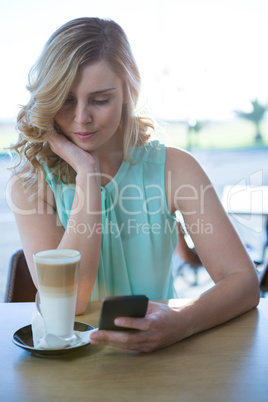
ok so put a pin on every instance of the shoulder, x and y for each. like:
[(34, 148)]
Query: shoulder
[(20, 196), (185, 179), (181, 162)]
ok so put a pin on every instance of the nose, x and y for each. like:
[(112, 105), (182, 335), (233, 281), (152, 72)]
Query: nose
[(82, 114)]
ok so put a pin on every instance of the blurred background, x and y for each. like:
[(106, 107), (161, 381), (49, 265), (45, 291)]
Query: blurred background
[(204, 69)]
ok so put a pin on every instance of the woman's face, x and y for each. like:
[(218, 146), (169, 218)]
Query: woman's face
[(91, 114)]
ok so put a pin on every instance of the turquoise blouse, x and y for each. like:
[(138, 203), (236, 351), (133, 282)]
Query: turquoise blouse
[(138, 233)]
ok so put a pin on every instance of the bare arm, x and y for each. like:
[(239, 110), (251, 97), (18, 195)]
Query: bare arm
[(39, 226), (217, 243)]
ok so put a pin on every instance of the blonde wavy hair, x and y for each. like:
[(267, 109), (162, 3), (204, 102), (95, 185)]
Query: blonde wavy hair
[(80, 41)]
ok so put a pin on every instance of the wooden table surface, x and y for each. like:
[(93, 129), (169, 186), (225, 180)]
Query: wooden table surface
[(227, 363)]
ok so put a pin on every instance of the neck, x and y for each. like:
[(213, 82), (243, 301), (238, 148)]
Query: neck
[(110, 159)]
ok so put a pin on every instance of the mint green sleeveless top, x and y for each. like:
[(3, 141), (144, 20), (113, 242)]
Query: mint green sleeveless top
[(138, 233)]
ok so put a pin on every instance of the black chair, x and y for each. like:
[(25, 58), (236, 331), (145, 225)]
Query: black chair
[(263, 273), (20, 286), (264, 280)]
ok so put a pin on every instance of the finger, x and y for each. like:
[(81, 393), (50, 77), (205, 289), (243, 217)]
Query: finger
[(56, 141), (122, 337), (125, 340), (142, 324)]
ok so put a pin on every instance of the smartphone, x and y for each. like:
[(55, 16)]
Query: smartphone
[(121, 306)]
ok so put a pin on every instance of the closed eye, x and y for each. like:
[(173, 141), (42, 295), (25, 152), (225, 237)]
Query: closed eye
[(100, 101), (69, 100)]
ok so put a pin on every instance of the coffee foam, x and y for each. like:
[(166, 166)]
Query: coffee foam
[(51, 257), (56, 276)]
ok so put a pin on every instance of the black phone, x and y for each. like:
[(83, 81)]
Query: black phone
[(121, 306)]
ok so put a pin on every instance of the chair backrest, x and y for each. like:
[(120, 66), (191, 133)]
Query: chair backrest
[(20, 287), (264, 280), (263, 275)]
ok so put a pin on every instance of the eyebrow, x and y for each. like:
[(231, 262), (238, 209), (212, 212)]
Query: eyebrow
[(101, 91)]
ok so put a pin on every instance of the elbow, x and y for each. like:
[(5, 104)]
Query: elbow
[(82, 299), (80, 310), (256, 298), (254, 292), (81, 307)]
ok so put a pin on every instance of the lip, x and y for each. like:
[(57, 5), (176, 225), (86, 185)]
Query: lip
[(84, 135)]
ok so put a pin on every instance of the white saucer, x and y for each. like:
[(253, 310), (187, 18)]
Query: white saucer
[(24, 339)]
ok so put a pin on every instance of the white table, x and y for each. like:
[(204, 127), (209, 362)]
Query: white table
[(245, 200)]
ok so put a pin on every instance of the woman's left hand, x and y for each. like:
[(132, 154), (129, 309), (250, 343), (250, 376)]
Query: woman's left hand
[(159, 328)]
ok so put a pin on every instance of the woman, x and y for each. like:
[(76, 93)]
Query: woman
[(90, 178)]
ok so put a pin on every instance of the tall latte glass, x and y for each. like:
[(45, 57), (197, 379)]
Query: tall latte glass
[(57, 276)]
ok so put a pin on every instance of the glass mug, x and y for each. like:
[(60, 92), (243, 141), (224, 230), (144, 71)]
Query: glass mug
[(57, 276)]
